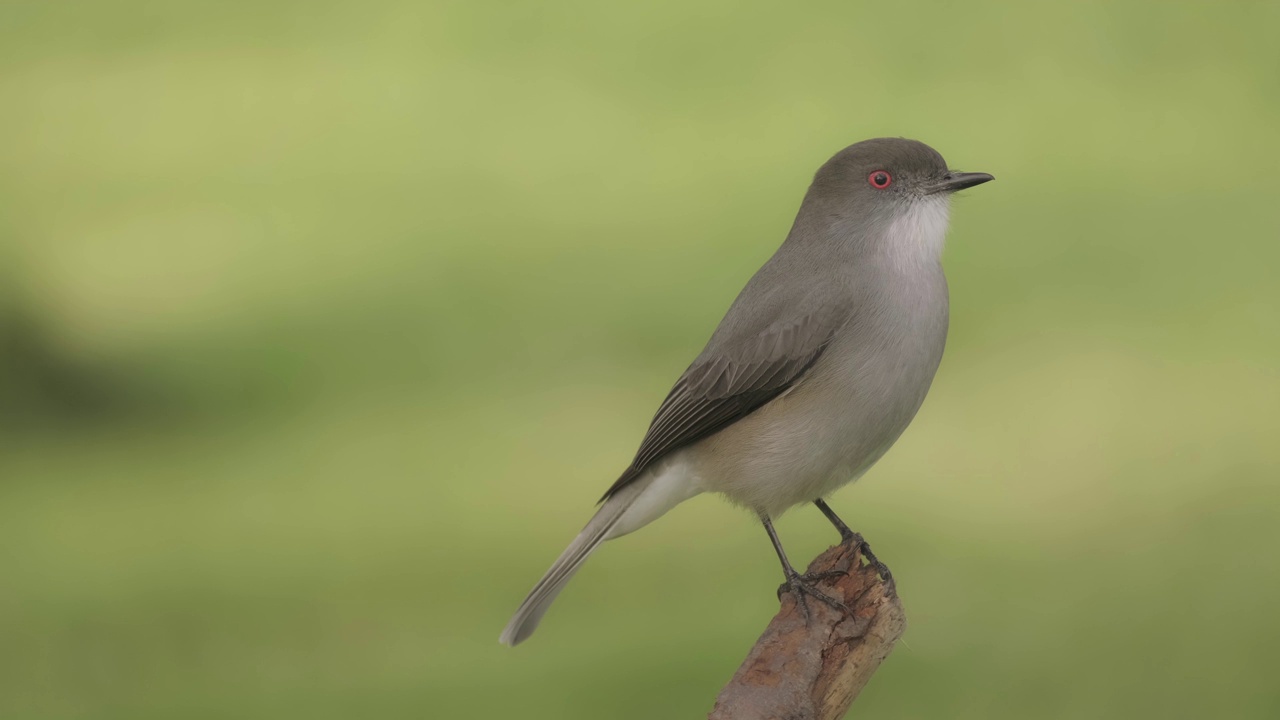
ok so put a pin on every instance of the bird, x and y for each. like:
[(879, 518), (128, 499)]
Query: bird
[(817, 368)]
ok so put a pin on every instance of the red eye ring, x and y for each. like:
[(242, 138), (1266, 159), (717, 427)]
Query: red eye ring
[(880, 179)]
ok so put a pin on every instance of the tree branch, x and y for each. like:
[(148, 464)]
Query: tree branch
[(813, 670)]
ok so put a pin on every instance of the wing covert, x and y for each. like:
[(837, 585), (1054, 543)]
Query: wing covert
[(729, 381)]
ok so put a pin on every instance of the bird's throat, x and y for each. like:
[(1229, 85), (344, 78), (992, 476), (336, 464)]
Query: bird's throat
[(918, 234)]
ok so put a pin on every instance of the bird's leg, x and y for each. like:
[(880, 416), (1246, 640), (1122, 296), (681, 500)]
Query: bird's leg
[(799, 585), (849, 535)]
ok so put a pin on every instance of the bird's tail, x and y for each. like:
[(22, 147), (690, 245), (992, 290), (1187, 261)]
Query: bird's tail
[(637, 504), (526, 619)]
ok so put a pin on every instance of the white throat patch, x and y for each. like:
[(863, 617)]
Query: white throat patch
[(917, 236)]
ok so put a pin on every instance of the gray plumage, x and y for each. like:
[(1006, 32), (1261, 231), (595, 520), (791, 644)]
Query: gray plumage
[(818, 366)]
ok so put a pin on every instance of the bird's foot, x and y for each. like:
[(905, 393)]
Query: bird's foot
[(881, 569), (801, 585)]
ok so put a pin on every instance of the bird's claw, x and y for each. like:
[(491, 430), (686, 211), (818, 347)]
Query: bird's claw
[(801, 585), (881, 569)]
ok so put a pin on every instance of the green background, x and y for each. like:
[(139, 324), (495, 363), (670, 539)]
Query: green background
[(323, 325)]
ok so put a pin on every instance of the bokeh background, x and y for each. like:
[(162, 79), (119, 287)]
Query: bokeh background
[(323, 325)]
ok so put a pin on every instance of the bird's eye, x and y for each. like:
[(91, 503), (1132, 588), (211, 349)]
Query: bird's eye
[(879, 179)]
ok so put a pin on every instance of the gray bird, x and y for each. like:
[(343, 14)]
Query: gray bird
[(817, 368)]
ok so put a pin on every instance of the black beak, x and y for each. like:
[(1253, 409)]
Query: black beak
[(954, 181)]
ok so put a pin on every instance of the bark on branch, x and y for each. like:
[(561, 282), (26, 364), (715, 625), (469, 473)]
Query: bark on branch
[(814, 670)]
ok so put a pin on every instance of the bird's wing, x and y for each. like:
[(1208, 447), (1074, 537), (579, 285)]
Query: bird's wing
[(737, 373)]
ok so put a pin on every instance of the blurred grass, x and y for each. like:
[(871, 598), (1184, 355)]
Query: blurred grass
[(323, 324)]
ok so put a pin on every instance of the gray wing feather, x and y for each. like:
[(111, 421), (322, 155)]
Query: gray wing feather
[(736, 374)]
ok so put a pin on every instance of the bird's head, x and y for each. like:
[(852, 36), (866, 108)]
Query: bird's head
[(891, 170), (887, 196)]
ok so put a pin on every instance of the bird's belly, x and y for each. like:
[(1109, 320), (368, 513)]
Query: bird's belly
[(827, 431)]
